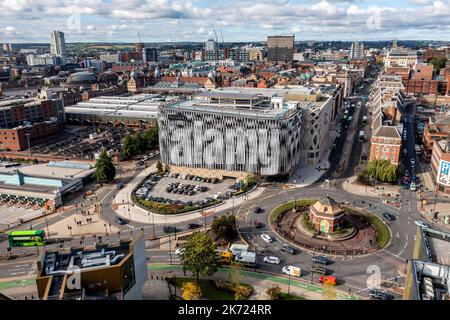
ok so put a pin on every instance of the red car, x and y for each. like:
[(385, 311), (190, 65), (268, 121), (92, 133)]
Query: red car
[(328, 280)]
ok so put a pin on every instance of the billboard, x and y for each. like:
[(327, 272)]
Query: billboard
[(444, 173)]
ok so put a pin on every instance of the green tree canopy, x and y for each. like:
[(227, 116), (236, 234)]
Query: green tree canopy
[(104, 168), (225, 227), (199, 255), (438, 63)]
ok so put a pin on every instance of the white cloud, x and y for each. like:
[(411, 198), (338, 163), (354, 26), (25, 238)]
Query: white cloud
[(238, 19)]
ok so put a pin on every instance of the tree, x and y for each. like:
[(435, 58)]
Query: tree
[(438, 63), (242, 292), (199, 255), (159, 166), (273, 293), (250, 180), (104, 168), (191, 291), (128, 149), (151, 137), (225, 227)]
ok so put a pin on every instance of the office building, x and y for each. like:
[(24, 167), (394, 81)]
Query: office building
[(428, 272), (104, 271), (149, 55), (401, 57), (211, 45), (357, 50), (33, 119), (440, 164), (58, 46), (111, 57), (44, 60), (280, 48)]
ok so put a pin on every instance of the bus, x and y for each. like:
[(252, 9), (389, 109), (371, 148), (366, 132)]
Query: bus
[(26, 238)]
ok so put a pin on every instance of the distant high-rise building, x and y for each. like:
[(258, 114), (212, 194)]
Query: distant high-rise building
[(7, 47), (138, 47), (149, 55), (280, 48), (58, 45), (211, 45), (357, 50)]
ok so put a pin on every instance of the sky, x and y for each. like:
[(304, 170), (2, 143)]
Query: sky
[(236, 20)]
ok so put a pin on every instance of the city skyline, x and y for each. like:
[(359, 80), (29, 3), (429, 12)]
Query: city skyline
[(172, 21)]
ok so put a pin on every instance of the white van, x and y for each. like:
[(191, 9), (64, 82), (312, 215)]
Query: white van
[(292, 270)]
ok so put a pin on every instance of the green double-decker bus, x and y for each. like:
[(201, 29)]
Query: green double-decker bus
[(26, 238)]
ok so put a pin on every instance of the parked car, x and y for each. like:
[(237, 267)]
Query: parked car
[(288, 249), (413, 161), (389, 216), (321, 260), (267, 238), (272, 260)]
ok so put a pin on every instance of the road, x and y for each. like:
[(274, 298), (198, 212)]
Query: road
[(353, 270)]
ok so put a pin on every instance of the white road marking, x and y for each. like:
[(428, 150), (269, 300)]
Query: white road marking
[(406, 236)]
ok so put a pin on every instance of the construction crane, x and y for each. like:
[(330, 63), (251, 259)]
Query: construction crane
[(215, 34)]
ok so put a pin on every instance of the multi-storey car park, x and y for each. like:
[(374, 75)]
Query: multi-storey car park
[(267, 132)]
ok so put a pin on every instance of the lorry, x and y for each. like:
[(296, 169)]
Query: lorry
[(227, 256), (292, 271), (236, 248), (246, 258)]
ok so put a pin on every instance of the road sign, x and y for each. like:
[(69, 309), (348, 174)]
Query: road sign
[(444, 172)]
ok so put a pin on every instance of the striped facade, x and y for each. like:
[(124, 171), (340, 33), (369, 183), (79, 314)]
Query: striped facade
[(261, 144)]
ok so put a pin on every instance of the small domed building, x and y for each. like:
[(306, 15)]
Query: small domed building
[(326, 215)]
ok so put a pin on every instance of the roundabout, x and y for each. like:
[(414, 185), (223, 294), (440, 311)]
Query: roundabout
[(326, 226)]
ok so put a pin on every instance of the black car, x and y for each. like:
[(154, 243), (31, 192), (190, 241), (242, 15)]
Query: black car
[(288, 249), (379, 295), (389, 216), (169, 229), (258, 210), (119, 220), (321, 260), (191, 226)]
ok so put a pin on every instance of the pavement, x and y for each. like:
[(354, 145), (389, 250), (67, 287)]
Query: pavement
[(261, 282), (307, 175), (350, 185)]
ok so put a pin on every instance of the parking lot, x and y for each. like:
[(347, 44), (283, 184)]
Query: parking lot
[(174, 189), (79, 142)]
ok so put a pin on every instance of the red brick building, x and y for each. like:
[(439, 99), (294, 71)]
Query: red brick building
[(385, 144), (36, 120)]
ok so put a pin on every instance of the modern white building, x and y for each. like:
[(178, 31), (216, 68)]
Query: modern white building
[(44, 59), (357, 50), (58, 46), (401, 57), (211, 45), (111, 57)]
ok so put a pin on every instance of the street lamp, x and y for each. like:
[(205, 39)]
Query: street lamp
[(46, 223), (29, 145)]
